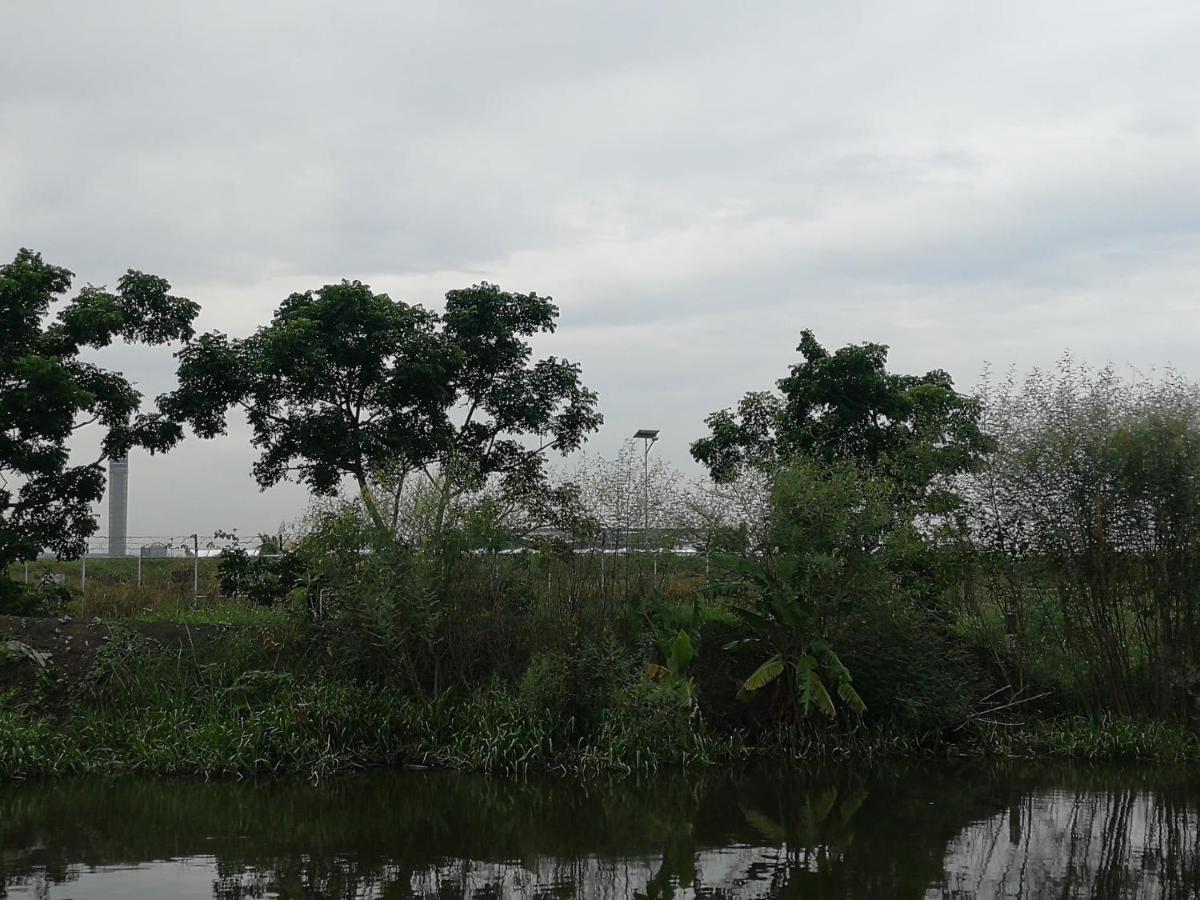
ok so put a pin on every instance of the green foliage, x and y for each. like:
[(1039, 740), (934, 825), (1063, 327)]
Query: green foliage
[(262, 702), (1069, 574), (574, 686), (339, 378), (764, 674), (823, 558), (846, 406), (29, 745), (1088, 519), (1104, 738), (47, 389), (216, 611), (122, 668), (346, 382), (651, 725), (808, 672), (676, 630), (262, 580), (680, 654), (912, 671), (18, 600), (381, 597)]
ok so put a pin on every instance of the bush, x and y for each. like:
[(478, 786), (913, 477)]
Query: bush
[(18, 600), (575, 688), (912, 673), (649, 725), (1088, 516), (262, 580)]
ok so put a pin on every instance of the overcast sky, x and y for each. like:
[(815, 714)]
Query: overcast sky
[(693, 182)]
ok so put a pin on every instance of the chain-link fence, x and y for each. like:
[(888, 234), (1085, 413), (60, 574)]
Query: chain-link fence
[(184, 565), (185, 570)]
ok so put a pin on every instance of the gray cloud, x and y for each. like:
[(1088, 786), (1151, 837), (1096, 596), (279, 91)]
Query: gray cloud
[(694, 183)]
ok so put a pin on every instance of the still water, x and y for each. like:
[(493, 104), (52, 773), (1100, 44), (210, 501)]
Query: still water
[(920, 831)]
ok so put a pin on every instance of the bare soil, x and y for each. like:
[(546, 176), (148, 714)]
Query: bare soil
[(70, 646)]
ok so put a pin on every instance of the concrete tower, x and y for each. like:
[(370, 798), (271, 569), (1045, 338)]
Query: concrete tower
[(118, 505)]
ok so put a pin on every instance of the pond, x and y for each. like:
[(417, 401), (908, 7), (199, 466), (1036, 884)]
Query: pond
[(922, 831)]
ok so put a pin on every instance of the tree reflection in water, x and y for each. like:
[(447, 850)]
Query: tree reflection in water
[(905, 832), (1124, 842)]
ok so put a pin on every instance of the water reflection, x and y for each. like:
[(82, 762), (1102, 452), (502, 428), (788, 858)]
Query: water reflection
[(908, 832), (1126, 841)]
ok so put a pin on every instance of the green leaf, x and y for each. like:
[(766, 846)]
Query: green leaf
[(762, 676), (740, 643), (750, 617), (816, 694), (682, 652), (785, 608), (831, 659), (850, 697)]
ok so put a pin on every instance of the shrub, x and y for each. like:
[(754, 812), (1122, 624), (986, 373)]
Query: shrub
[(576, 687), (649, 725), (1088, 517), (18, 600), (911, 672), (263, 580)]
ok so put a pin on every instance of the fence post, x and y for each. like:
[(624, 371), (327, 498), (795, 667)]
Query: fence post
[(83, 574), (139, 575), (27, 571), (195, 568)]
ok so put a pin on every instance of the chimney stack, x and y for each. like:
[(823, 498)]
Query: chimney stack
[(118, 505)]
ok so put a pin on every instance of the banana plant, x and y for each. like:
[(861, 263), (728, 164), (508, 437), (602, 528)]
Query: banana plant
[(679, 655), (823, 552), (784, 624), (806, 670)]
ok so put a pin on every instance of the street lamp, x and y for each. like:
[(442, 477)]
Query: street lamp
[(648, 436)]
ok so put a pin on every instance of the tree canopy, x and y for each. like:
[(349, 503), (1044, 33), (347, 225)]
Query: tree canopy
[(48, 391), (345, 382), (846, 406)]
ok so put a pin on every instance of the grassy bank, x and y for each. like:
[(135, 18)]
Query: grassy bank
[(260, 700), (281, 699)]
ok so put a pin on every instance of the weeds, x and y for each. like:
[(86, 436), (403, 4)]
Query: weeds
[(1107, 738), (263, 703)]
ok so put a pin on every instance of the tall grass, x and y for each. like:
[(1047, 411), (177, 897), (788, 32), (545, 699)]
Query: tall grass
[(268, 701), (1103, 738)]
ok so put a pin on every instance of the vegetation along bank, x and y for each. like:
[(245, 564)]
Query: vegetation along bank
[(875, 562)]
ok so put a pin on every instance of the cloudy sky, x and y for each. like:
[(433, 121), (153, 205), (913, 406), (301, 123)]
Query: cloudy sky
[(693, 182)]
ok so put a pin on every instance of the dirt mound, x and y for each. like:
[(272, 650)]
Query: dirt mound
[(66, 648)]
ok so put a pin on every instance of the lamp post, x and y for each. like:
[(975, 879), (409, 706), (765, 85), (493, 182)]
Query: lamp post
[(648, 436)]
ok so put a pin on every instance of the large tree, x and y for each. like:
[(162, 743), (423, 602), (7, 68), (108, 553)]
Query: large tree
[(48, 391), (344, 382), (847, 407)]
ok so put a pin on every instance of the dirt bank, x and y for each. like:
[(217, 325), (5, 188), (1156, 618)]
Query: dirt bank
[(65, 648)]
